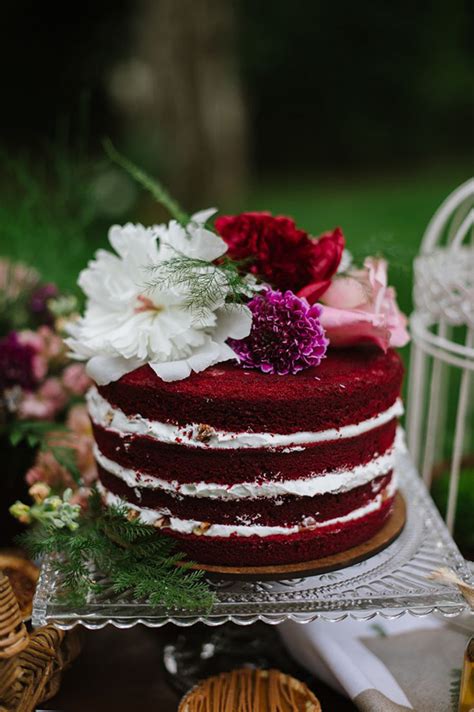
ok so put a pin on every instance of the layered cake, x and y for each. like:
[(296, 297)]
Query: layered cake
[(242, 466), (247, 391)]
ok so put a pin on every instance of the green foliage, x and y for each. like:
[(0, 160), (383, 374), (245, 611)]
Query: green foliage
[(132, 555), (42, 434), (33, 432), (206, 284), (157, 190), (48, 212), (50, 510)]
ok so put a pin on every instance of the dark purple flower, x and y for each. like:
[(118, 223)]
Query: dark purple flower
[(286, 334), (17, 363), (39, 303)]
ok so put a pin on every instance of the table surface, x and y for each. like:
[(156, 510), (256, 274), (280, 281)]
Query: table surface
[(121, 670)]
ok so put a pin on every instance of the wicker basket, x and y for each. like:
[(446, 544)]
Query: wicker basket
[(30, 664)]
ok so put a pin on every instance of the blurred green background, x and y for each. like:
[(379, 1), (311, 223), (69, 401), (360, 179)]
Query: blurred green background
[(351, 114)]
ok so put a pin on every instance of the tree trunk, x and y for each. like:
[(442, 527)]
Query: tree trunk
[(194, 102)]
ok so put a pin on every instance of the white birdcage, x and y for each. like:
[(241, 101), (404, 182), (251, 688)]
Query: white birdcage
[(442, 328)]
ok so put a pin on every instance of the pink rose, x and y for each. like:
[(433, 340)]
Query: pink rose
[(359, 307), (75, 379)]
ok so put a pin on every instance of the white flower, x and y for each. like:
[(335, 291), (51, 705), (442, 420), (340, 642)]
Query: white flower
[(128, 323)]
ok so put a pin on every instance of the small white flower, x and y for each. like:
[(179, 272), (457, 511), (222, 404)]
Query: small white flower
[(128, 324)]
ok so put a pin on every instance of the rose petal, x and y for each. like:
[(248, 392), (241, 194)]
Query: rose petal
[(312, 292), (346, 327), (345, 293)]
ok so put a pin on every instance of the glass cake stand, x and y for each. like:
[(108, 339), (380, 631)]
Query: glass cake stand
[(392, 583)]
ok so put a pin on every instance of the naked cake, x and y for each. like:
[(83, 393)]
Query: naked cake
[(257, 429), (252, 467)]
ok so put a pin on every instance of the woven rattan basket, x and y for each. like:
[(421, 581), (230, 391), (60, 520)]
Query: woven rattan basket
[(30, 664)]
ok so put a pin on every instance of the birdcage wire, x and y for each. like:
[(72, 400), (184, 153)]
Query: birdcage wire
[(442, 327)]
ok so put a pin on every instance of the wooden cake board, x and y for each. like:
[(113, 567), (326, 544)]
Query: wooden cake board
[(389, 532)]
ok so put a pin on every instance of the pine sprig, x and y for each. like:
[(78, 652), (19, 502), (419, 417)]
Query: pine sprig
[(132, 555), (206, 284), (157, 190)]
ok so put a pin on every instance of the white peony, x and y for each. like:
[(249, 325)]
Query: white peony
[(128, 323)]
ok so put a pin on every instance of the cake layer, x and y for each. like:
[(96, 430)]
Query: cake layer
[(264, 545), (204, 436), (275, 550), (349, 386), (267, 511), (332, 482), (176, 462), (165, 521)]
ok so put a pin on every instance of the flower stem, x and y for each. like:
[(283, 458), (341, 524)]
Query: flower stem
[(157, 190)]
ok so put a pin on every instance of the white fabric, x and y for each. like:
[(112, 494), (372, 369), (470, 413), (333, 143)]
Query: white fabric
[(334, 653)]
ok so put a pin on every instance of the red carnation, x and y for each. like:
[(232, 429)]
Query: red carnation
[(281, 254), (326, 256)]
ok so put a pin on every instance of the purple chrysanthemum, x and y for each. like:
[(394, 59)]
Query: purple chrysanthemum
[(17, 363), (286, 334)]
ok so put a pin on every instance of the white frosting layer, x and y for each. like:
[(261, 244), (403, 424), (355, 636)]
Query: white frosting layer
[(333, 482), (105, 415), (190, 526)]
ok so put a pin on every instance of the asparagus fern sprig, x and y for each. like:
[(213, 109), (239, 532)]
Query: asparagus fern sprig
[(206, 284), (133, 557)]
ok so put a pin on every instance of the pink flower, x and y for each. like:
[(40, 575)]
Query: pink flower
[(81, 497), (16, 279), (75, 379), (286, 335), (359, 307), (80, 425), (78, 421), (45, 403), (48, 470), (52, 346), (34, 341)]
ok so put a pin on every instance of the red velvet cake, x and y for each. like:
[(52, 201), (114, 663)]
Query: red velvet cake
[(251, 468), (220, 416)]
